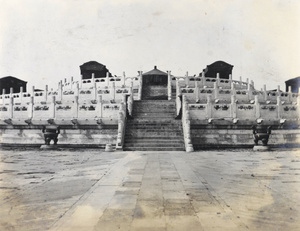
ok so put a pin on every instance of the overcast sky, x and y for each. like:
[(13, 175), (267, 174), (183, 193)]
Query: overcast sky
[(44, 41)]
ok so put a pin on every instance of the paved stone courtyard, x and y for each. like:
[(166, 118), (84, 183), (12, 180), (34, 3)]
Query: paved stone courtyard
[(96, 190)]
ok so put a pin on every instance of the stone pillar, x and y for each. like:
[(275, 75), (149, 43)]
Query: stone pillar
[(100, 108), (21, 94), (60, 89), (107, 79), (187, 79), (53, 103), (218, 79), (278, 88), (265, 93), (120, 135), (279, 107), (241, 82), (46, 93), (232, 85), (209, 107), (169, 85), (95, 90), (11, 107), (77, 90), (76, 107), (233, 106), (140, 85), (30, 107), (249, 90), (290, 94), (32, 91), (252, 84), (124, 79), (93, 77), (177, 88), (197, 91), (3, 96), (216, 90), (257, 107), (113, 88)]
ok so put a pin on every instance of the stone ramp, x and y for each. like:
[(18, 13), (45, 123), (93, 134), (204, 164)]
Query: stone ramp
[(153, 127)]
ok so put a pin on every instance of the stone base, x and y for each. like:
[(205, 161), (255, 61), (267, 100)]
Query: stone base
[(49, 147), (108, 148), (261, 148)]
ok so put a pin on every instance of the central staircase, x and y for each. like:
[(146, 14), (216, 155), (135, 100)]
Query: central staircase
[(153, 127)]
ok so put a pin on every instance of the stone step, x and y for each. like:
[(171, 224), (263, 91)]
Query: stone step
[(153, 115), (153, 110), (143, 145), (156, 141), (153, 121), (150, 138), (165, 128), (159, 133), (153, 149)]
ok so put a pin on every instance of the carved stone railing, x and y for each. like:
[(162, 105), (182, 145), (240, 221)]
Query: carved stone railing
[(121, 126), (186, 125)]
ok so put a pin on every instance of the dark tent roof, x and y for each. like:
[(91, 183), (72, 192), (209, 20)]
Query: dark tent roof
[(294, 80), (11, 79), (155, 71), (221, 67), (92, 66)]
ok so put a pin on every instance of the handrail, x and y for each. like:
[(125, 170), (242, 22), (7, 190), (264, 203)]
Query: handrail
[(186, 125)]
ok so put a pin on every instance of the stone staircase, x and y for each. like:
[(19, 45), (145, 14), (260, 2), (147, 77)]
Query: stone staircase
[(153, 127)]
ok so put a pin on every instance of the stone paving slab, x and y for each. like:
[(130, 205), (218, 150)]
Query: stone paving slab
[(91, 190)]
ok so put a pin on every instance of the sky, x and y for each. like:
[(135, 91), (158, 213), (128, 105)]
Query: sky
[(45, 41)]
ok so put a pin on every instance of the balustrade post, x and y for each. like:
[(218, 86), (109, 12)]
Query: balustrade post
[(11, 107), (77, 90), (3, 96), (279, 107), (265, 93), (121, 120), (124, 78), (290, 93), (209, 107), (249, 90), (11, 91), (187, 79), (257, 107), (252, 84), (21, 94), (60, 89), (95, 90), (169, 85), (197, 91), (93, 77), (30, 107), (100, 107), (76, 106), (216, 90), (46, 93), (218, 79), (233, 106), (53, 103), (113, 87), (107, 79)]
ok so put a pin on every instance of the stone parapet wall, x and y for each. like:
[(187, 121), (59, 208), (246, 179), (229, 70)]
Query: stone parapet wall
[(70, 136), (223, 134)]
